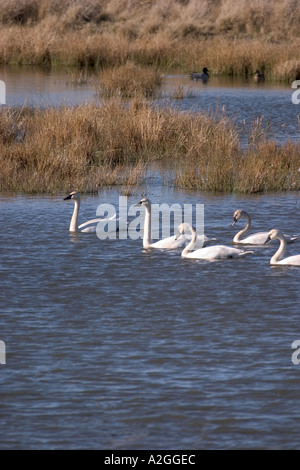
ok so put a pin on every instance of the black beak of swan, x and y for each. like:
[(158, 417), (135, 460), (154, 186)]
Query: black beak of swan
[(68, 197), (234, 221), (267, 240)]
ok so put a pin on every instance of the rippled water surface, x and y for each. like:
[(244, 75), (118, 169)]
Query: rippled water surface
[(112, 347)]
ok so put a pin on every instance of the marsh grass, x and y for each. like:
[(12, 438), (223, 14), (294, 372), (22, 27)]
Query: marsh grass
[(47, 150), (179, 93), (129, 81), (115, 143), (233, 37)]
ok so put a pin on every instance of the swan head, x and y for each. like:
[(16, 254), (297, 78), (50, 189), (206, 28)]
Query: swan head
[(73, 195), (237, 215), (205, 70), (183, 228), (274, 233), (144, 202)]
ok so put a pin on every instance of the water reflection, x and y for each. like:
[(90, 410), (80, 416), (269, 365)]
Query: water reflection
[(42, 87)]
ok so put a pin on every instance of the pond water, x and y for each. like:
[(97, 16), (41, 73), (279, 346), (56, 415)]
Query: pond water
[(243, 100), (109, 346), (112, 347)]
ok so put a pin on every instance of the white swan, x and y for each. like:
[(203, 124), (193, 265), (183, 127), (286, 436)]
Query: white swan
[(166, 243), (276, 258), (258, 238), (75, 196), (169, 242), (210, 253)]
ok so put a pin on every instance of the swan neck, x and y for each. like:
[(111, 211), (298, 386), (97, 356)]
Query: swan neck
[(280, 252), (147, 228), (191, 245), (242, 232), (74, 220)]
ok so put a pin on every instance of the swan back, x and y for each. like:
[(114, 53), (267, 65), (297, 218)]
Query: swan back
[(209, 253)]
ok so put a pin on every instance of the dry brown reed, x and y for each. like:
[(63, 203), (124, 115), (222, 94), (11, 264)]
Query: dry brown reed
[(269, 167), (91, 146), (47, 150), (229, 36), (129, 81)]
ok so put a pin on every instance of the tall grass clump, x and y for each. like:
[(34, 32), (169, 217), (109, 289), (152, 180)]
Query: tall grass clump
[(115, 143), (269, 167), (128, 81), (209, 160), (85, 147), (229, 166)]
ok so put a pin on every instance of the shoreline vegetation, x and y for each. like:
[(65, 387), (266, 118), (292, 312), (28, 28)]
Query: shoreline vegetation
[(231, 37), (116, 143), (132, 43)]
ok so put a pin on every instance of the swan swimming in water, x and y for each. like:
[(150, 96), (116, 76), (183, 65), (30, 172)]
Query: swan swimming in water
[(209, 253), (204, 76), (277, 257), (258, 238), (166, 243), (74, 220)]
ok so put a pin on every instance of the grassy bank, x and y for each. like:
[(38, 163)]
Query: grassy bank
[(88, 147), (232, 37)]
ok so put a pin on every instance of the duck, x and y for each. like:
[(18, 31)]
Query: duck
[(259, 76), (204, 76), (172, 242), (209, 253), (258, 238), (277, 257), (89, 226)]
